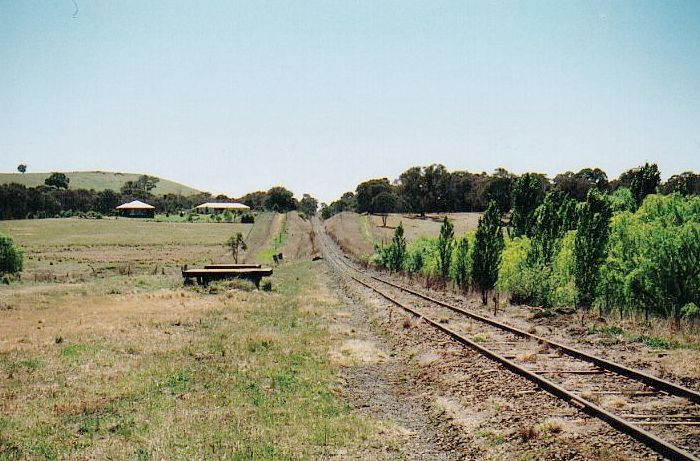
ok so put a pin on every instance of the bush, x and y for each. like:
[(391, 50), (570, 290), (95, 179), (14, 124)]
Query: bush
[(563, 288), (418, 255), (11, 258), (513, 259), (248, 219), (653, 260)]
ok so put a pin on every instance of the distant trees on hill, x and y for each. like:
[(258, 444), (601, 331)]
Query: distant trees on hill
[(57, 180), (57, 199), (434, 189)]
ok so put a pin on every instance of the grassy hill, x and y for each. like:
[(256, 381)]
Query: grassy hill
[(98, 180)]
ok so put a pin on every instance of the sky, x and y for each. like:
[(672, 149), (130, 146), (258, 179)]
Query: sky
[(232, 97)]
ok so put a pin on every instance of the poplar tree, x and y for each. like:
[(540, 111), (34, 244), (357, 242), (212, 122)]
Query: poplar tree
[(590, 245), (461, 265), (488, 247), (553, 218), (397, 252), (528, 193), (645, 180), (444, 246)]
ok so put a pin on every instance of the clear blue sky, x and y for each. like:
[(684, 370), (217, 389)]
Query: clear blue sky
[(237, 96)]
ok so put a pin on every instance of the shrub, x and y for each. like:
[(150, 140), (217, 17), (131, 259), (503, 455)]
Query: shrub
[(248, 219), (236, 244), (392, 256), (420, 255), (653, 260), (512, 262), (11, 258), (563, 288)]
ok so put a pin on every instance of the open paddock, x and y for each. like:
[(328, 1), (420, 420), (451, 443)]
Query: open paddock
[(136, 366)]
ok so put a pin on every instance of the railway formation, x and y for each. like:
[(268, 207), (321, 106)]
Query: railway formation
[(662, 415)]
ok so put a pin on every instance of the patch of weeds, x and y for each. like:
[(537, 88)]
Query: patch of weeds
[(259, 345), (543, 314), (126, 428), (256, 395), (483, 433), (217, 344), (528, 433), (493, 438), (178, 383), (90, 425), (284, 381), (262, 452), (551, 426), (143, 454), (75, 351), (658, 343), (607, 331), (479, 339), (132, 350), (221, 286), (30, 364)]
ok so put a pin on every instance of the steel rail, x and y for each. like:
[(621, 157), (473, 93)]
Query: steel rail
[(653, 381), (637, 375), (657, 444)]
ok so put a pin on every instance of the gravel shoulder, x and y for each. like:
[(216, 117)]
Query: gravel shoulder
[(377, 381), (453, 403)]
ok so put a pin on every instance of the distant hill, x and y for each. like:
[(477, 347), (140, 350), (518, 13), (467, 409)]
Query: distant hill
[(98, 180)]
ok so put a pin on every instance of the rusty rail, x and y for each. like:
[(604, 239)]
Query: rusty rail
[(652, 441)]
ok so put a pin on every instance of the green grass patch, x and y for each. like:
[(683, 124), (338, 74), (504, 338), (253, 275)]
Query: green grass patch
[(659, 343), (607, 331), (250, 378), (276, 244), (78, 350)]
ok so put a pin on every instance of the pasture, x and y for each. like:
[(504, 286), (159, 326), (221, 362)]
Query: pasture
[(358, 233), (98, 180), (105, 355)]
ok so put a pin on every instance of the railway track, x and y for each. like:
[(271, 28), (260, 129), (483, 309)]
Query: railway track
[(660, 414)]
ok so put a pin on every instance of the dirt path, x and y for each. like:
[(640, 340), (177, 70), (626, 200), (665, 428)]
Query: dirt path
[(345, 231), (299, 244), (271, 226), (376, 381)]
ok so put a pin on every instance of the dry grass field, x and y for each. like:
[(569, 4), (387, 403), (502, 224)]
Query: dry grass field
[(352, 233), (300, 242), (106, 364), (357, 234), (415, 227)]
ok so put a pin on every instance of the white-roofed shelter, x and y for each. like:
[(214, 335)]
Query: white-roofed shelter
[(220, 207), (137, 209)]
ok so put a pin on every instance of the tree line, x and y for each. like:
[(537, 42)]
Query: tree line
[(629, 248), (55, 198), (434, 189)]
